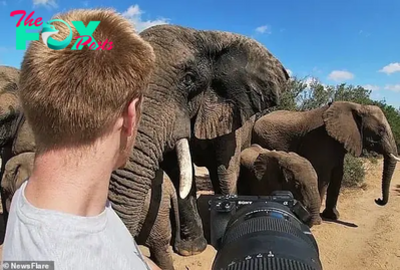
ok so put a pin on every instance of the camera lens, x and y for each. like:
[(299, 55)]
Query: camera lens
[(268, 236)]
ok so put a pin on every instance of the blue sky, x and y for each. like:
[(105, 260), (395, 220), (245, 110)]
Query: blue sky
[(355, 41)]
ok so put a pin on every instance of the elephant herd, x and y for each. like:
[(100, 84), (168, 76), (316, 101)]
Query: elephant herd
[(206, 106)]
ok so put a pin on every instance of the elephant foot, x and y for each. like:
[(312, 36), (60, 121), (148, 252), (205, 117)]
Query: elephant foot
[(191, 247), (332, 214), (316, 221)]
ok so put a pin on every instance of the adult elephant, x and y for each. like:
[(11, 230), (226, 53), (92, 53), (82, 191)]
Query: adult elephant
[(324, 135), (206, 84), (15, 134)]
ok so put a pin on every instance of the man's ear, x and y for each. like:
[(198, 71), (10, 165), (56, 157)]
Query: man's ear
[(131, 116)]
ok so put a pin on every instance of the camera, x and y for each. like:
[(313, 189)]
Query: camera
[(262, 232)]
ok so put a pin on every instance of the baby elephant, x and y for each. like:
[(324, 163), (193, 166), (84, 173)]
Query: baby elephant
[(19, 168), (16, 171), (263, 171)]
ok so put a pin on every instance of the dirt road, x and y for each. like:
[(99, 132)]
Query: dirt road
[(368, 236)]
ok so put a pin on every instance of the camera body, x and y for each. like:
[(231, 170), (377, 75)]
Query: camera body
[(223, 208)]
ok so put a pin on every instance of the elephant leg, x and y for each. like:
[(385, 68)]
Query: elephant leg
[(161, 256), (6, 154), (227, 150), (323, 187), (192, 240), (160, 239), (4, 219), (333, 193), (213, 173)]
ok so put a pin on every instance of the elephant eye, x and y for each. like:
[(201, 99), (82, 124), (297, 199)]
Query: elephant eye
[(188, 80), (381, 130)]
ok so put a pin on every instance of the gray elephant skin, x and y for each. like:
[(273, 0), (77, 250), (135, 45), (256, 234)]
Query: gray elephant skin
[(15, 134), (16, 171), (8, 75), (206, 85), (324, 135), (19, 168), (263, 171), (221, 157)]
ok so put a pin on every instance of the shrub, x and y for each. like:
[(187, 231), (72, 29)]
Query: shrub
[(371, 156), (354, 172)]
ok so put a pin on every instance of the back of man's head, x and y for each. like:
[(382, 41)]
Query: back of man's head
[(73, 97)]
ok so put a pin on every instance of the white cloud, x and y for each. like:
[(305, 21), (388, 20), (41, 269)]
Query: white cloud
[(134, 15), (46, 3), (264, 29), (391, 68), (340, 75), (393, 87), (371, 87)]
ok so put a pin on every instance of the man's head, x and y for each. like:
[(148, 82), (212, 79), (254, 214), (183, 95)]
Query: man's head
[(78, 98)]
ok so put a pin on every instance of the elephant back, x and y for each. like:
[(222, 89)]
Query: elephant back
[(282, 129)]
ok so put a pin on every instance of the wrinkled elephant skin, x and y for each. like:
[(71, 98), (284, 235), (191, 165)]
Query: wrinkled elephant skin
[(17, 170), (263, 171), (206, 85), (221, 156), (11, 121), (160, 235), (324, 135)]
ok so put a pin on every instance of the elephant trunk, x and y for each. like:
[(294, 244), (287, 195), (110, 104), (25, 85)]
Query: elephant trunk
[(129, 186), (185, 167), (315, 207), (389, 165)]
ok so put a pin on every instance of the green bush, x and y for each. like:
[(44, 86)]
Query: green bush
[(354, 172), (371, 156)]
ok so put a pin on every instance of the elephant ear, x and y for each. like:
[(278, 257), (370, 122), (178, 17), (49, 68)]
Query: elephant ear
[(261, 165), (343, 122), (246, 79), (265, 163)]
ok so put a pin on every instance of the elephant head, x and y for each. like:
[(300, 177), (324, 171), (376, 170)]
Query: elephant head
[(15, 133), (216, 81), (264, 171), (10, 110), (17, 170), (8, 75), (361, 127), (206, 84)]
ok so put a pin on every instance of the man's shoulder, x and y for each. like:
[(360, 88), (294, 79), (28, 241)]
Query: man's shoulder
[(78, 242)]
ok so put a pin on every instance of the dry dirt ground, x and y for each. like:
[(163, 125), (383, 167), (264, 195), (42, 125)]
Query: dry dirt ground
[(366, 237)]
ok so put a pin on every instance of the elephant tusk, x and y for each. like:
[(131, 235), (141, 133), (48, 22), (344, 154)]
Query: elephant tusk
[(396, 158), (185, 167)]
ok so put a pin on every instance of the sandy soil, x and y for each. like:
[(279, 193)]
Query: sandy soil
[(366, 237)]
